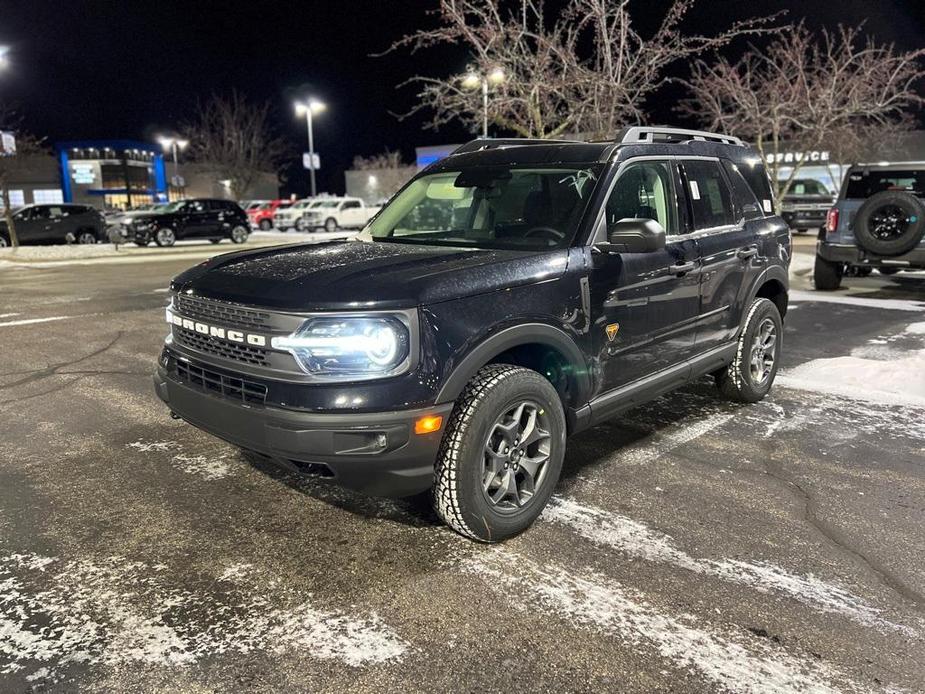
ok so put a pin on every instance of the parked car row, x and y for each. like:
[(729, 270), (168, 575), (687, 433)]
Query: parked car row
[(329, 213), (58, 223)]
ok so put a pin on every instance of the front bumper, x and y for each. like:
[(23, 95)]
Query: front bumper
[(852, 255), (374, 453)]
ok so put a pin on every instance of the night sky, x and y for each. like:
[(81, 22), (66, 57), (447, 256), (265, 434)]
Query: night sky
[(131, 69)]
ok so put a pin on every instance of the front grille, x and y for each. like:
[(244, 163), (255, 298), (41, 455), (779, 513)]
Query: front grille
[(246, 354), (220, 312), (230, 387)]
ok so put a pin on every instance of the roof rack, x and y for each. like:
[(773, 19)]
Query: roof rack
[(665, 134), (500, 143)]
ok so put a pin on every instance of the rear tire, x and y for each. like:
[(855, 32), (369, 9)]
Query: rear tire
[(827, 275), (750, 376), (86, 237), (330, 224), (239, 234), (4, 241), (517, 415), (887, 270)]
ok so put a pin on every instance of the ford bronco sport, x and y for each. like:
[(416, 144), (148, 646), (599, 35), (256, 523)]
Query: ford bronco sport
[(511, 294), (877, 222)]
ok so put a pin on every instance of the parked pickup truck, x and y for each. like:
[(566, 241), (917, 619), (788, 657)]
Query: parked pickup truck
[(334, 213)]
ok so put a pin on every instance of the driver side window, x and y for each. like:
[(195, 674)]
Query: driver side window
[(643, 191)]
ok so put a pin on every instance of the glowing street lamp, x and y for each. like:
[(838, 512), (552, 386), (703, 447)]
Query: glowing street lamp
[(4, 60), (474, 80), (308, 109), (174, 144)]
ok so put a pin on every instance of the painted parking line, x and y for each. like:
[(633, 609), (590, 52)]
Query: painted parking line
[(636, 540), (864, 302), (30, 321), (726, 657)]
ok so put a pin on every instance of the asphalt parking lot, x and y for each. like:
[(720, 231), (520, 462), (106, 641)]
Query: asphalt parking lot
[(693, 545)]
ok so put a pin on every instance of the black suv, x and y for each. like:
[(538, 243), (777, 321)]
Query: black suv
[(58, 223), (877, 222), (509, 295), (197, 218), (806, 204)]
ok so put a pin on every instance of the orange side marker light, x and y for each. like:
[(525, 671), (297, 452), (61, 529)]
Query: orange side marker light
[(428, 424)]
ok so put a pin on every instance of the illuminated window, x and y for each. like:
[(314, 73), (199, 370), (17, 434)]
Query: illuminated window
[(17, 199), (47, 196)]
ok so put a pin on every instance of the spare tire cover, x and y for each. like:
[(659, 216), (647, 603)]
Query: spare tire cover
[(890, 223)]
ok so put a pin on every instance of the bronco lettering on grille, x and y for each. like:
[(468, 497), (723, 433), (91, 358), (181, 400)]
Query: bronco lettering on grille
[(214, 331)]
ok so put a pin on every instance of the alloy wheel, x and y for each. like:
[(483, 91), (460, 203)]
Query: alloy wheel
[(763, 352), (239, 234), (889, 222), (3, 242), (86, 237), (165, 237), (516, 456)]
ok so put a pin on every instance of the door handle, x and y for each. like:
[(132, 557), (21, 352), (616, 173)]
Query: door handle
[(682, 268), (746, 253)]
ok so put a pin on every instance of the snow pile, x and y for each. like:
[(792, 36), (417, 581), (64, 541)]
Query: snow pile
[(899, 381)]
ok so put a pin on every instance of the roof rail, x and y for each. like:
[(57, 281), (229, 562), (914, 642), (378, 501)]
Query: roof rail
[(499, 143), (665, 134)]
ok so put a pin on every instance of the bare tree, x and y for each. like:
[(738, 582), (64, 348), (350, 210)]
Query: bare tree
[(549, 87), (804, 88), (234, 139), (11, 164), (377, 162)]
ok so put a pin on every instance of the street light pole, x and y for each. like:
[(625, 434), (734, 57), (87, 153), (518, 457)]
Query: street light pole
[(174, 145), (311, 150), (473, 80), (309, 108)]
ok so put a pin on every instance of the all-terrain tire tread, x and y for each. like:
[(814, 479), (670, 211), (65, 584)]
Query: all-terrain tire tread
[(446, 474)]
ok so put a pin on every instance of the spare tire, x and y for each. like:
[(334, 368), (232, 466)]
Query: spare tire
[(890, 223)]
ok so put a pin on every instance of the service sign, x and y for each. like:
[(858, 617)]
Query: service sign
[(814, 156)]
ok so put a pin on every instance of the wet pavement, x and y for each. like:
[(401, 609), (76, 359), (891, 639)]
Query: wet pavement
[(692, 545)]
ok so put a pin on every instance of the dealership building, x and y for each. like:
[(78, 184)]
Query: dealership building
[(117, 174)]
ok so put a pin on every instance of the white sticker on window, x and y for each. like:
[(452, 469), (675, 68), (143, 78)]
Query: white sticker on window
[(766, 204), (695, 191)]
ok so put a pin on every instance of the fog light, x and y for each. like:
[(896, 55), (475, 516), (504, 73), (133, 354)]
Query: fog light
[(428, 424)]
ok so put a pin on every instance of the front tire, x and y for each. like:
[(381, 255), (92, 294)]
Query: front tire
[(750, 376), (330, 224), (265, 225), (501, 454), (827, 275), (165, 237)]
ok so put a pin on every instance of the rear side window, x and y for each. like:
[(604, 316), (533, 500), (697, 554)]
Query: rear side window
[(746, 203), (757, 178), (350, 204), (863, 184), (708, 194)]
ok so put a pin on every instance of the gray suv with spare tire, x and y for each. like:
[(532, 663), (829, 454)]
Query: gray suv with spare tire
[(877, 222)]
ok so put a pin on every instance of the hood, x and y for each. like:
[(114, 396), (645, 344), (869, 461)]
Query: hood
[(355, 274)]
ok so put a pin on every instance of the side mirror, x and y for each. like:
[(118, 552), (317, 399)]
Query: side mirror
[(634, 236)]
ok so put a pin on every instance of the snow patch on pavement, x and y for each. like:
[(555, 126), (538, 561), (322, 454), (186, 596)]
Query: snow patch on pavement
[(641, 542), (726, 658), (113, 612), (665, 442), (851, 300), (208, 468)]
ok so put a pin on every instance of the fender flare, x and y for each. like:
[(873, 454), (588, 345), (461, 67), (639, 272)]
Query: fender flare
[(515, 336)]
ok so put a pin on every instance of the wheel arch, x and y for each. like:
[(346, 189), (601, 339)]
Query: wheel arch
[(773, 284), (539, 346)]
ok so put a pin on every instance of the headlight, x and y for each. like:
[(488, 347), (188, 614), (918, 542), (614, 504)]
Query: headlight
[(350, 346)]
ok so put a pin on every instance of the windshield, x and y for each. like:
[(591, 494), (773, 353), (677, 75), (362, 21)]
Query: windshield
[(265, 206), (303, 204), (175, 206), (490, 207), (808, 186)]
